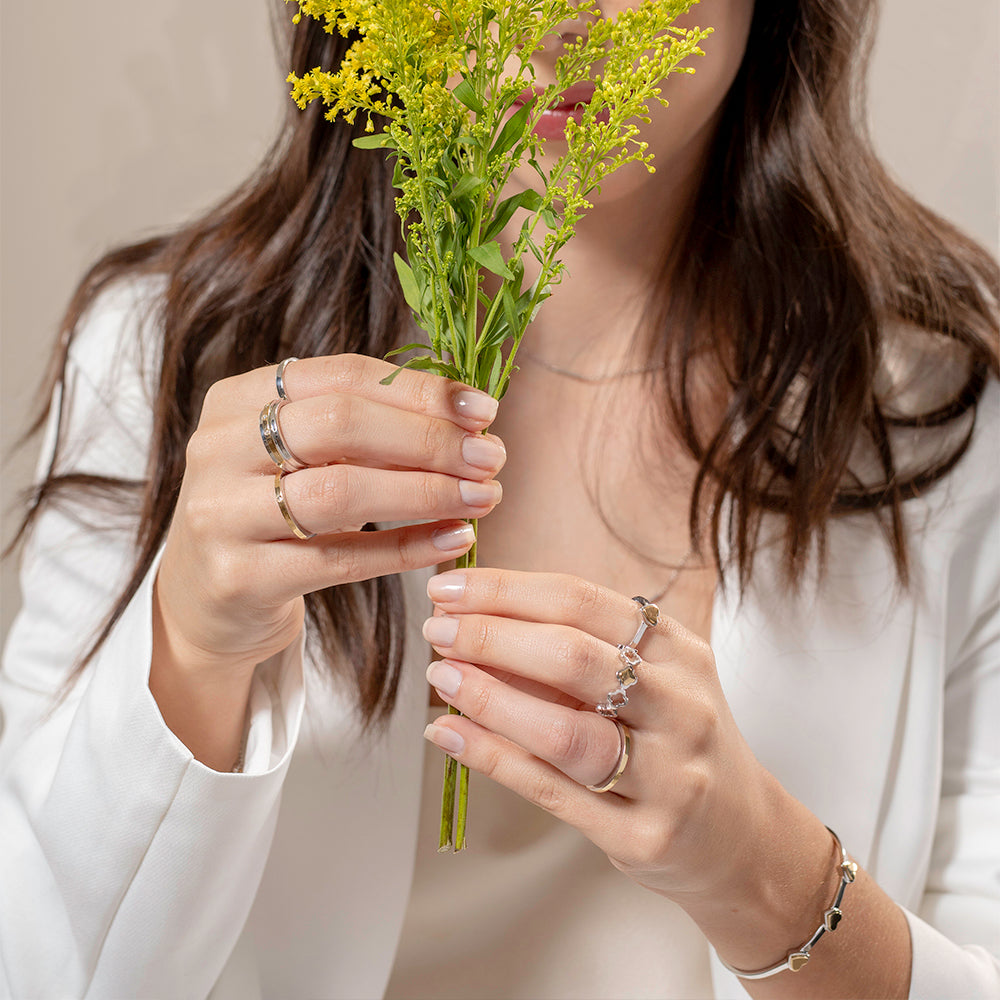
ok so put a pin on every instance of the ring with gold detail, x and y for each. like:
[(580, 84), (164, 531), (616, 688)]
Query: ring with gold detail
[(625, 748)]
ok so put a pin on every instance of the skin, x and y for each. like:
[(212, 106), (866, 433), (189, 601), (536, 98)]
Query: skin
[(529, 644)]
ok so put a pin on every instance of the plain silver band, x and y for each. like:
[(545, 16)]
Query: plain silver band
[(279, 377), (624, 750), (279, 494)]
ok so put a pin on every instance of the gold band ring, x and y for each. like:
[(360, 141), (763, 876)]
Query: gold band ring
[(279, 494), (270, 434), (625, 748)]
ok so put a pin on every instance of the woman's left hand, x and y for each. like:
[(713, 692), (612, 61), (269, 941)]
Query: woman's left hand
[(530, 655)]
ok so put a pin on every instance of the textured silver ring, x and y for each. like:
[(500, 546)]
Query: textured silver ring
[(274, 443), (279, 377)]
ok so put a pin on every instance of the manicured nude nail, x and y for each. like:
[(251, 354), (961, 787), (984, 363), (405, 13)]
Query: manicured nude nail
[(479, 494), (447, 739), (483, 452), (456, 539), (443, 676), (441, 631), (476, 406), (446, 587)]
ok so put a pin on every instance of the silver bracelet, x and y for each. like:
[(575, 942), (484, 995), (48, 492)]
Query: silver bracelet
[(797, 960)]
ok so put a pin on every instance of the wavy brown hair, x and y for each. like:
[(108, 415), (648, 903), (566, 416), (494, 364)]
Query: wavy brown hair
[(799, 253)]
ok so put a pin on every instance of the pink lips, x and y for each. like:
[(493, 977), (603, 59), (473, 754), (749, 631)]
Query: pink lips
[(552, 124)]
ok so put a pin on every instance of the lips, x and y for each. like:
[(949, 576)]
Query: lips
[(572, 101)]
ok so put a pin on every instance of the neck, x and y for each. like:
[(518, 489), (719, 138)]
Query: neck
[(594, 321)]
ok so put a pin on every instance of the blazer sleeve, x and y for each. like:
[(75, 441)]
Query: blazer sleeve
[(961, 902), (128, 868)]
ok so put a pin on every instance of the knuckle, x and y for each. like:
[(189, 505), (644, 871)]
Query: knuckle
[(547, 792), (346, 372), (434, 439), (588, 598), (477, 701), (425, 393), (333, 491), (427, 493), (568, 741), (480, 637), (564, 656), (338, 416), (350, 562)]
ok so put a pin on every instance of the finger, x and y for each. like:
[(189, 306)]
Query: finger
[(557, 656), (355, 374), (584, 746), (342, 497), (562, 600), (292, 567), (512, 766), (338, 427)]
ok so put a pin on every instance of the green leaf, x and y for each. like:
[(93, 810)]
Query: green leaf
[(403, 350), (411, 290), (379, 141), (489, 256), (511, 133), (495, 373), (467, 185), (527, 199), (466, 93)]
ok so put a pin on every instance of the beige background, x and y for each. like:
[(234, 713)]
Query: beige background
[(119, 118)]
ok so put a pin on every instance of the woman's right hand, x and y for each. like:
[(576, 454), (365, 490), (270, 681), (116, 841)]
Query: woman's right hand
[(229, 590)]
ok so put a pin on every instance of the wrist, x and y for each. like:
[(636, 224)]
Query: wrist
[(783, 882), (202, 697)]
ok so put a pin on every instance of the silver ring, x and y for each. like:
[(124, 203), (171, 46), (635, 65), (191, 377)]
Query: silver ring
[(279, 377), (270, 433), (279, 494), (649, 616), (628, 653), (624, 749)]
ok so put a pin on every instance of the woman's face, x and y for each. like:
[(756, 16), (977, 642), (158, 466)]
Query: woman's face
[(679, 135)]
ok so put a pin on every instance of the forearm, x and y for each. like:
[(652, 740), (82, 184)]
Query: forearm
[(204, 704)]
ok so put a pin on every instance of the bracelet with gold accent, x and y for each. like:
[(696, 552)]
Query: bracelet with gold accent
[(797, 960)]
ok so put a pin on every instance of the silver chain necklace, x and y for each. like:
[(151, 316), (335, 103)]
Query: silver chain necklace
[(672, 579), (589, 379)]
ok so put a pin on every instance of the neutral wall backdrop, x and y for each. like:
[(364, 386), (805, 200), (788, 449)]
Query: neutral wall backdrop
[(118, 119)]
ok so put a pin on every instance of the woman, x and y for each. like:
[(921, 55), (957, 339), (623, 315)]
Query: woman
[(780, 375)]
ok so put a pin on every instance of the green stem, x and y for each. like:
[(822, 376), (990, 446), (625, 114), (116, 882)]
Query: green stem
[(452, 769)]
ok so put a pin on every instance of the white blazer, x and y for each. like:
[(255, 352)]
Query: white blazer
[(127, 869)]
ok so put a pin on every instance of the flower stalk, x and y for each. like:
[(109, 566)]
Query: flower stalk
[(447, 89)]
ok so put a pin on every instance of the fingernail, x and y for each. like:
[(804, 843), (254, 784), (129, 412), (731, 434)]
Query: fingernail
[(483, 452), (479, 494), (443, 676), (476, 406), (456, 539), (447, 739), (441, 631), (446, 587)]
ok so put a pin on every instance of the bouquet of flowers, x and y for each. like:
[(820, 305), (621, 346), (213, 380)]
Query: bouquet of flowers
[(448, 89)]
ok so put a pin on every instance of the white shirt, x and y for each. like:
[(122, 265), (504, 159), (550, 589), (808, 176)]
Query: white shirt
[(128, 869)]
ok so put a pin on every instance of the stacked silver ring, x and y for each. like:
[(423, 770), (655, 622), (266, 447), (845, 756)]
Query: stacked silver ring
[(270, 432), (628, 655), (279, 452)]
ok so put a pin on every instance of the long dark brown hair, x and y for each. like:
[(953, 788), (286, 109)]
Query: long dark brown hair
[(798, 255)]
